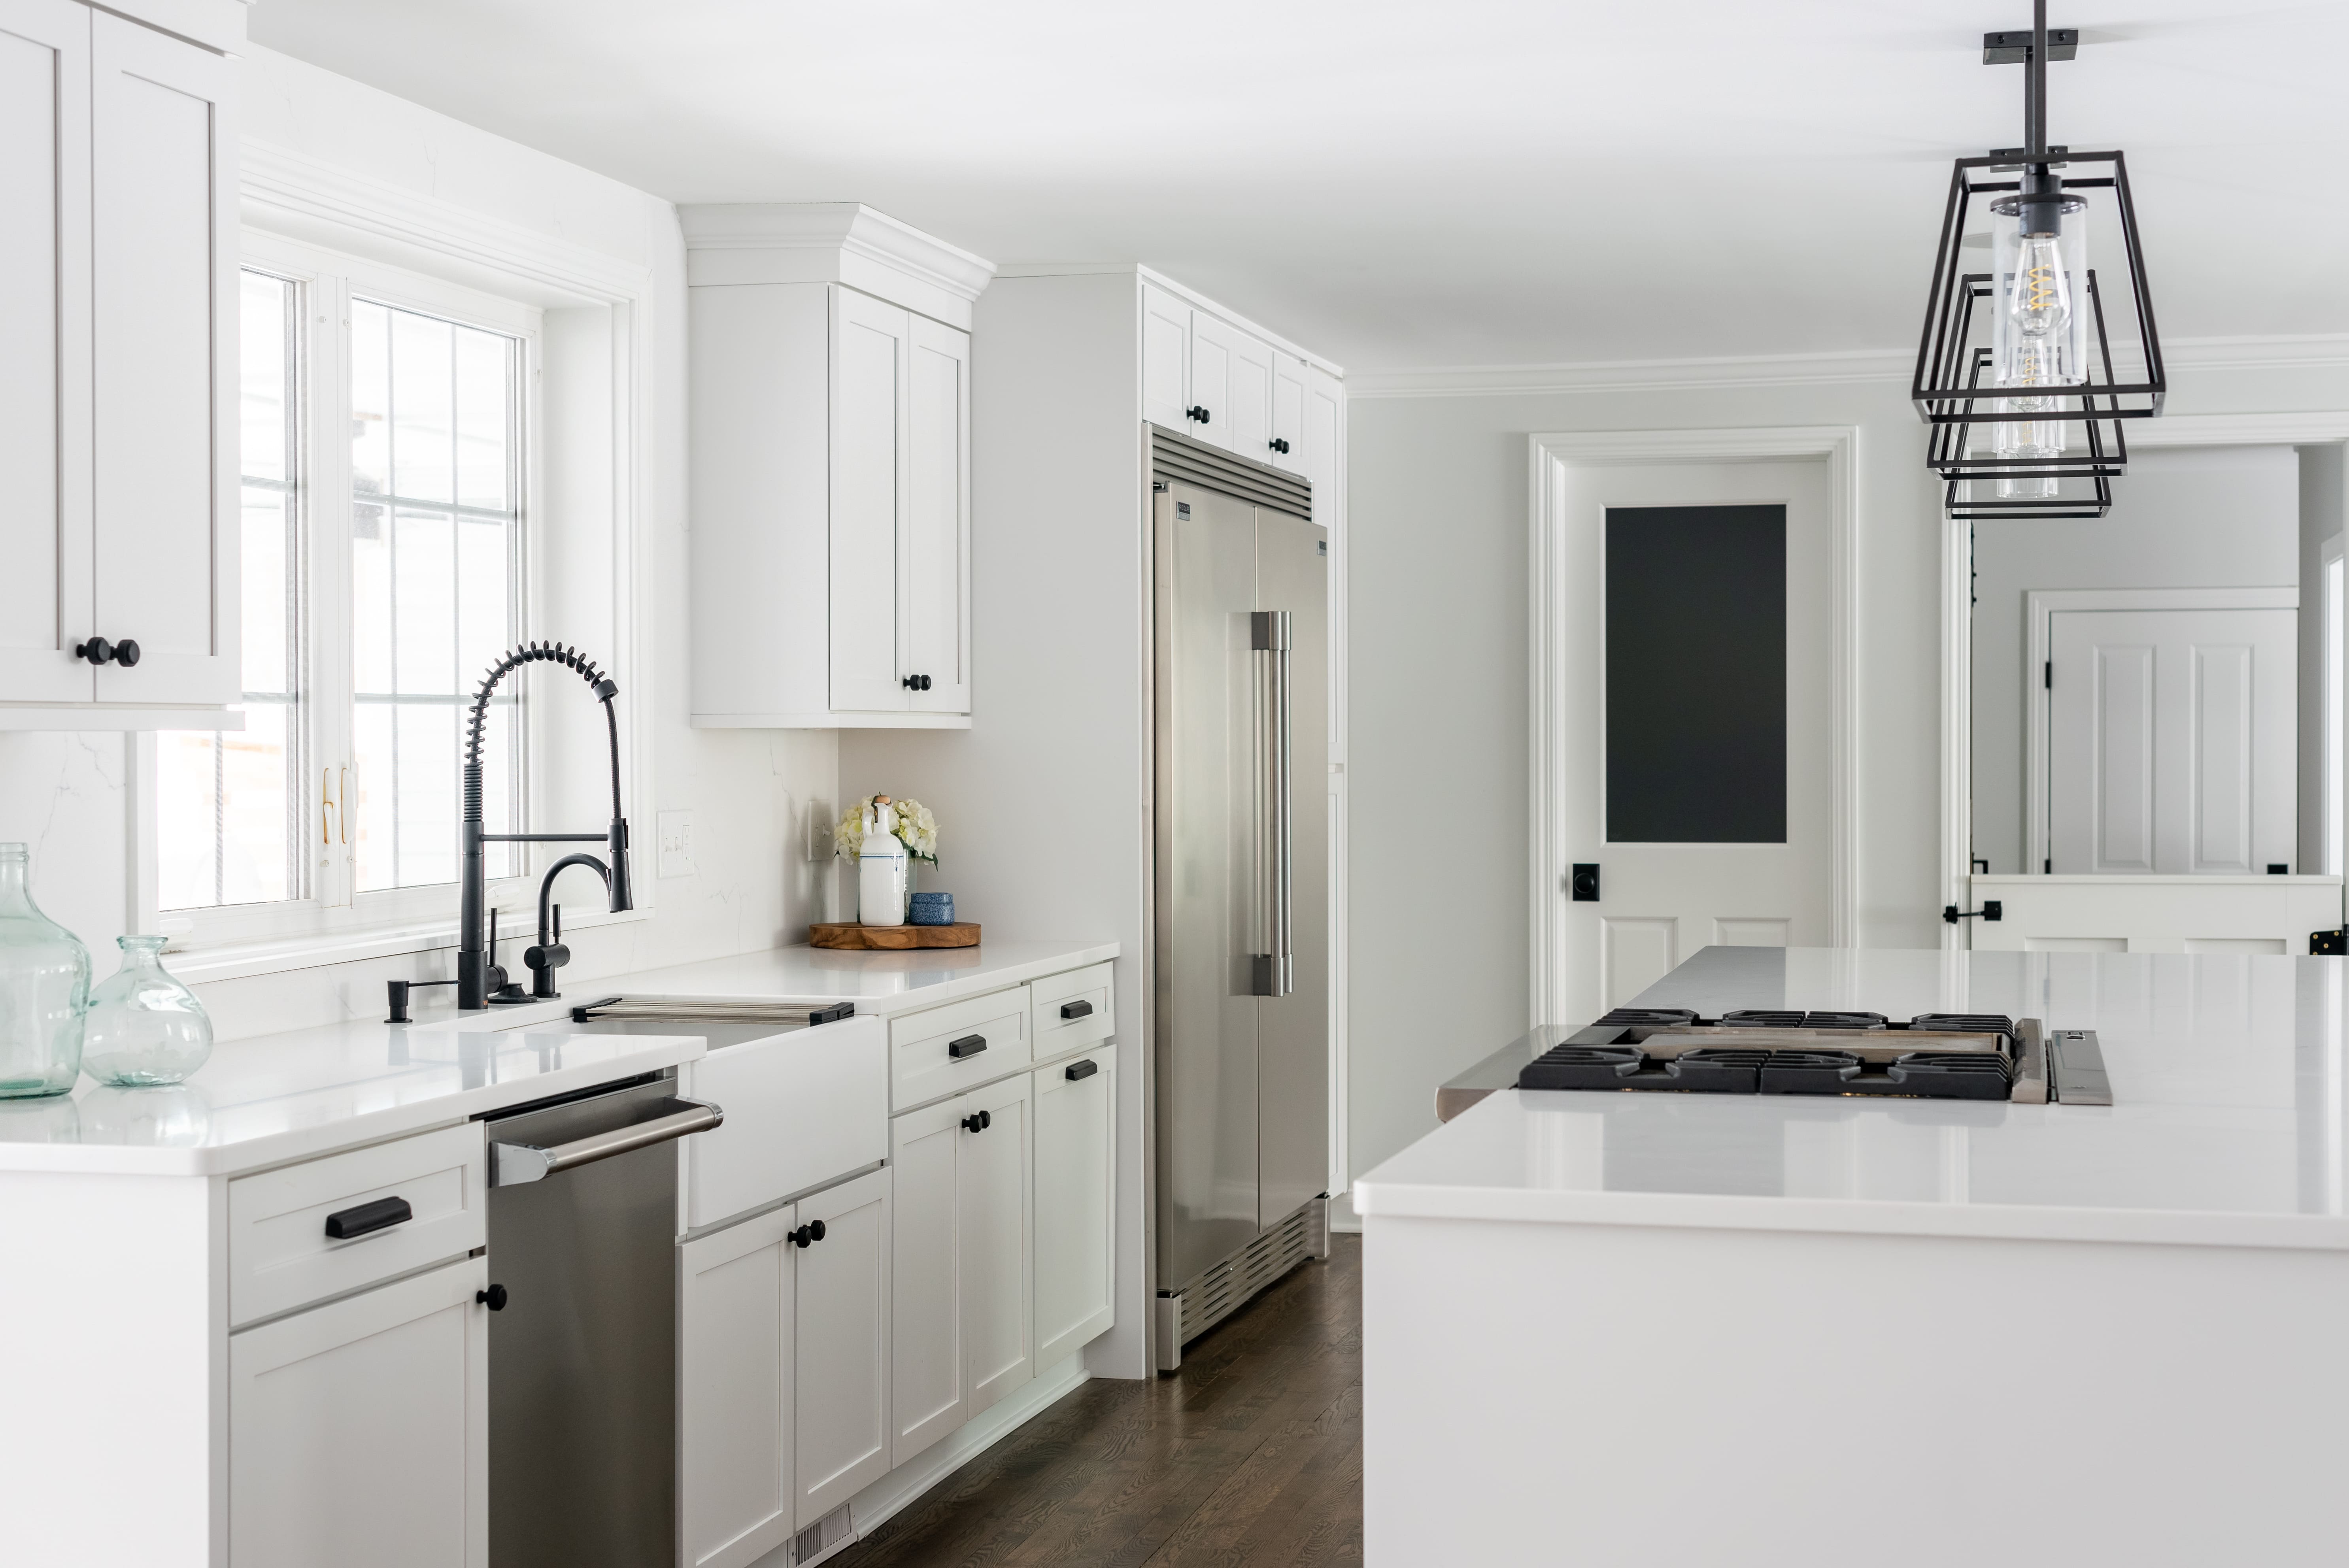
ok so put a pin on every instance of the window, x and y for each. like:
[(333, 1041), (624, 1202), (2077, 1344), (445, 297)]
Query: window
[(436, 544), (225, 800), (2333, 760)]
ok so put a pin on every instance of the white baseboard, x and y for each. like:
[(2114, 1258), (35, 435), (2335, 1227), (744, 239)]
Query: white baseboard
[(1342, 1216), (908, 1481)]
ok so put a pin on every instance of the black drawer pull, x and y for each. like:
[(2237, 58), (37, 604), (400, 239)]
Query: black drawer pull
[(969, 1046), (1081, 1070), (832, 1014), (1076, 1009), (345, 1223), (978, 1121)]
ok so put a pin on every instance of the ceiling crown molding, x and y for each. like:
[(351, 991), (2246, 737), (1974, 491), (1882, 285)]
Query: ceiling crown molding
[(287, 192), (2322, 351), (848, 227)]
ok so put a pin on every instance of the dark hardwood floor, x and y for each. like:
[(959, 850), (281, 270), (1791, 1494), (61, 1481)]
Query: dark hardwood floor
[(1251, 1454)]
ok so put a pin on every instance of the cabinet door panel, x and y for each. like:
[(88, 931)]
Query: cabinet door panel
[(1075, 1214), (358, 1431), (163, 188), (843, 1355), (993, 1199), (1249, 430), (933, 599), (1324, 446), (869, 475), (1165, 359), (44, 596), (925, 1375), (1289, 374), (737, 1495), (1211, 379)]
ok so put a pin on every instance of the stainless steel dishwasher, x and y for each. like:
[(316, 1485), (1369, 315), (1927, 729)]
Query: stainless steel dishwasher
[(582, 1339)]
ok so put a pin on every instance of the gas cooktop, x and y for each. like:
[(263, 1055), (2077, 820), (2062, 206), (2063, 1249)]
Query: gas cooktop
[(1934, 1055)]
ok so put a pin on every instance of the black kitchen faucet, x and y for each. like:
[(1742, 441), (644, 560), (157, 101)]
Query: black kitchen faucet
[(480, 981)]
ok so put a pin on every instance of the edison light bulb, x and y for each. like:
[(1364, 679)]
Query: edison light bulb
[(2039, 332)]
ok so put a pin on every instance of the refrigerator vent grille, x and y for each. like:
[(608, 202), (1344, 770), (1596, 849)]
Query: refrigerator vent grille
[(1177, 456), (1223, 1289)]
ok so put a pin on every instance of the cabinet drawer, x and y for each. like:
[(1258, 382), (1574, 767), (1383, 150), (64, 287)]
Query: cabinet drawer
[(281, 1254), (1086, 992), (944, 1051)]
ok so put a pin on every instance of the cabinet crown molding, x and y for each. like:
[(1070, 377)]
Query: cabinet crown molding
[(819, 230)]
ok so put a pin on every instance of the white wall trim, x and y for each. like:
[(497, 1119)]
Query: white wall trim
[(1792, 370), (287, 192), (2323, 427), (2040, 606), (869, 1509), (1552, 454), (849, 226)]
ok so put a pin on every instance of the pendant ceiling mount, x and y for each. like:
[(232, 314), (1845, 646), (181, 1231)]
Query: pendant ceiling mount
[(2016, 367)]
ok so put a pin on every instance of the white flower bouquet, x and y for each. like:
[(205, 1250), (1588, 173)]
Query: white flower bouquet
[(909, 821)]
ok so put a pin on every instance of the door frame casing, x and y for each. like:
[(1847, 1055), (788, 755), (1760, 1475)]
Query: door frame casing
[(1552, 455), (2040, 606), (2312, 429)]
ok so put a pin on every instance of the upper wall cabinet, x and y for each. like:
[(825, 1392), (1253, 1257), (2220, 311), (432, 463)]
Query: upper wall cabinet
[(1221, 383), (118, 370), (830, 436)]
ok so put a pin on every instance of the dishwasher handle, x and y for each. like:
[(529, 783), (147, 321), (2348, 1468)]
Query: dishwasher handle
[(513, 1163)]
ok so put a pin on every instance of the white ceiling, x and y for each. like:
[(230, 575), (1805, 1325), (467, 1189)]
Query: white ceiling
[(1476, 182)]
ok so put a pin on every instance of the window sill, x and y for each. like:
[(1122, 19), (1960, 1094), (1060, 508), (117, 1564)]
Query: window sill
[(239, 961)]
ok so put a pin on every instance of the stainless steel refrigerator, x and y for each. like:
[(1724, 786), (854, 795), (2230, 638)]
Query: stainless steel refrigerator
[(1241, 713)]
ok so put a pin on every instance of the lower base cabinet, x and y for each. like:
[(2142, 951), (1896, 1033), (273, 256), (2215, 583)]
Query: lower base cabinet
[(358, 1431), (1076, 1213), (840, 1378), (738, 1496)]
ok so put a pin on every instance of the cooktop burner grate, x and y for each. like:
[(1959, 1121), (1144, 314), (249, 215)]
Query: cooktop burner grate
[(1656, 1049)]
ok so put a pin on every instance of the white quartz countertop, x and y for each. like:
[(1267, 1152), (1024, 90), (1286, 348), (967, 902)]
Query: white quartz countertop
[(275, 1098), (2227, 1127)]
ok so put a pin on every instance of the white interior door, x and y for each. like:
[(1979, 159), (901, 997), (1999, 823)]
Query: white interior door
[(1694, 682), (2172, 741)]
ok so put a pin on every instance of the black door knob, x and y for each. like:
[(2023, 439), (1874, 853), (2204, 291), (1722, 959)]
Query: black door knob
[(495, 1298), (1585, 883)]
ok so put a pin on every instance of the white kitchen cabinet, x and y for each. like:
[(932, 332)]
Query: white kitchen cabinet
[(358, 1431), (1242, 422), (737, 1410), (1324, 466), (830, 357), (961, 1336), (1225, 385), (1166, 358), (842, 1356), (1076, 1106), (1290, 380), (117, 371)]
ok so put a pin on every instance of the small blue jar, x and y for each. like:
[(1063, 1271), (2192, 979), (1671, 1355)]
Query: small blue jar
[(931, 908)]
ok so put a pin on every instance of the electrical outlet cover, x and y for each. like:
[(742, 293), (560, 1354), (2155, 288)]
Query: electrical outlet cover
[(820, 824), (676, 844)]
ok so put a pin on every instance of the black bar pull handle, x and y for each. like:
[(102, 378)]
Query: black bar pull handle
[(361, 1219), (1078, 1070), (969, 1046), (1076, 1009), (832, 1014), (1991, 909)]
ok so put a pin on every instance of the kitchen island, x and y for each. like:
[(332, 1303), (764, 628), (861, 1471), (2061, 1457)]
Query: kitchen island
[(1668, 1328)]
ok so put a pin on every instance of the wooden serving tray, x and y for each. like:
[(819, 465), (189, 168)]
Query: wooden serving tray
[(853, 937)]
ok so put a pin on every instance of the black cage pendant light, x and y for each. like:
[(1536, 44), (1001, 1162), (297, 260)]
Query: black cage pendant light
[(2015, 371)]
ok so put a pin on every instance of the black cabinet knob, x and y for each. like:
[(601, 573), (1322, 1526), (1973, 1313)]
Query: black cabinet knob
[(495, 1298), (97, 651), (811, 1232), (978, 1121), (1279, 444), (916, 683), (126, 652), (1197, 411)]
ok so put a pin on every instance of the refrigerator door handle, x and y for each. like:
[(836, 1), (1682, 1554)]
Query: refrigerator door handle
[(1275, 970)]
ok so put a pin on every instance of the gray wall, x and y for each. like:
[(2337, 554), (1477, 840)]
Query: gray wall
[(2186, 517)]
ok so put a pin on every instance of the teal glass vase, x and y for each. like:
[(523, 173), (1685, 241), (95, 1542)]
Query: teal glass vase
[(144, 1028), (44, 989)]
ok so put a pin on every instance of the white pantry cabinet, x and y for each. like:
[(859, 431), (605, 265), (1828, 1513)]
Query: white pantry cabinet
[(841, 1359), (737, 1410), (830, 357), (358, 1431), (1220, 382), (960, 1337), (1076, 1106), (118, 369)]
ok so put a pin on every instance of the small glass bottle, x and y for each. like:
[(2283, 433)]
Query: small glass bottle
[(144, 1026), (44, 989)]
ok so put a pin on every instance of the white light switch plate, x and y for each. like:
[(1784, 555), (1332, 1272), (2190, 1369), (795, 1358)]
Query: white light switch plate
[(676, 844)]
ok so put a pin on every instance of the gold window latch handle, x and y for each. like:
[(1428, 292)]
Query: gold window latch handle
[(326, 803)]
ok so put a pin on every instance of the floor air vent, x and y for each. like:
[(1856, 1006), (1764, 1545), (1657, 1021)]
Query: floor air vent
[(1218, 1291)]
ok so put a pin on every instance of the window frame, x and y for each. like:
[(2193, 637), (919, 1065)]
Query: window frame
[(329, 918)]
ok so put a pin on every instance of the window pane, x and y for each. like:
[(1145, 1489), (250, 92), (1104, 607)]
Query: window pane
[(370, 597), (422, 433), (426, 777), (254, 808), (485, 598), (263, 303), (484, 400), (375, 837), (187, 818), (1696, 675), (371, 398), (424, 603), (268, 578)]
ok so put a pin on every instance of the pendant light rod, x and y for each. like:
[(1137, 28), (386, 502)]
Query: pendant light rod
[(2034, 91)]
